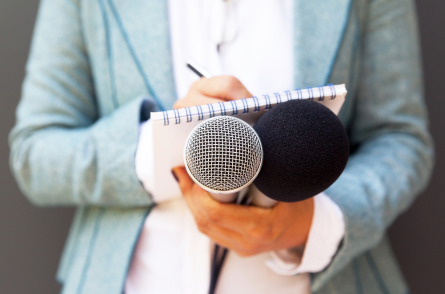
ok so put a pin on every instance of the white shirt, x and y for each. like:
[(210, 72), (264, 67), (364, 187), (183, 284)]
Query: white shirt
[(172, 256)]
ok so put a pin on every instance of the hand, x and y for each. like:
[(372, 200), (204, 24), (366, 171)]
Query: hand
[(216, 89), (247, 230)]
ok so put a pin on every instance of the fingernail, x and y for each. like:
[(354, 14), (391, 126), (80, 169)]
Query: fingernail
[(174, 175)]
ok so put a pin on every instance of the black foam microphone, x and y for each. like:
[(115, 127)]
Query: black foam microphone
[(305, 150)]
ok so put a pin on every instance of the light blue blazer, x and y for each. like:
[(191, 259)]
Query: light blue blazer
[(94, 63)]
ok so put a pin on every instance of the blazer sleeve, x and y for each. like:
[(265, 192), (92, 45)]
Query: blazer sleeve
[(62, 153), (394, 158)]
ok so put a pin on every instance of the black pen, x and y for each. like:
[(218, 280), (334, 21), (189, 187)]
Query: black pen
[(197, 69)]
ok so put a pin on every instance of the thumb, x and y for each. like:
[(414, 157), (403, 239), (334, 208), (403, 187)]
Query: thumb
[(183, 178)]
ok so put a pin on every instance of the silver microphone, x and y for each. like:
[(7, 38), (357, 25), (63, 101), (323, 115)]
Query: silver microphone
[(223, 155)]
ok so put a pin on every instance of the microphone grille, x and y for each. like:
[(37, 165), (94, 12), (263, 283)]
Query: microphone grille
[(223, 153)]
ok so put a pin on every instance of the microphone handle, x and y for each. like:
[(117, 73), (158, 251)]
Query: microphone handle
[(225, 198), (254, 196), (257, 198), (236, 197)]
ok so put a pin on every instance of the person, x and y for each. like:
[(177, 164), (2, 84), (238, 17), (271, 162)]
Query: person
[(98, 68)]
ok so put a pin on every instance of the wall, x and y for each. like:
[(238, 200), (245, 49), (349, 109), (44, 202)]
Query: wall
[(418, 236), (31, 239)]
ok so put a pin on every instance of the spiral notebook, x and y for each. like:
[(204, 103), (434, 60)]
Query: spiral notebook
[(171, 128)]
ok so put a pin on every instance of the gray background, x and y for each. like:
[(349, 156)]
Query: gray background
[(31, 239)]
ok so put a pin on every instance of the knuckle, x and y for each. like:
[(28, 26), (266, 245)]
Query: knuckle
[(230, 82), (262, 232), (268, 234), (203, 230), (183, 190), (202, 223), (177, 104), (258, 234), (199, 86), (214, 214), (249, 249), (214, 217), (195, 84), (242, 253)]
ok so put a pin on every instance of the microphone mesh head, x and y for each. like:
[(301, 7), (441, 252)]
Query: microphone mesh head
[(223, 153)]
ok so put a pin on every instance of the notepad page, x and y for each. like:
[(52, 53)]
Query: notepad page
[(171, 128)]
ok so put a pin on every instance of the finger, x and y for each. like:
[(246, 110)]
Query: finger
[(235, 241), (201, 204), (242, 232), (288, 223), (196, 99), (198, 200), (204, 100), (223, 87), (184, 180), (249, 221), (209, 213), (253, 223)]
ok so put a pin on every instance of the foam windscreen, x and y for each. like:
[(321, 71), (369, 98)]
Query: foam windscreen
[(305, 147)]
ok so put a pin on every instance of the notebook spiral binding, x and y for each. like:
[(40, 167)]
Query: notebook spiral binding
[(257, 104), (222, 107), (317, 93), (200, 116), (268, 104), (177, 117), (321, 90), (245, 105), (334, 93), (311, 94), (234, 107), (211, 110), (288, 95), (278, 97), (188, 113), (166, 122), (299, 93)]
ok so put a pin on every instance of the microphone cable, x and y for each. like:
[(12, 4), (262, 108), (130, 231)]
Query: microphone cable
[(216, 267), (218, 264)]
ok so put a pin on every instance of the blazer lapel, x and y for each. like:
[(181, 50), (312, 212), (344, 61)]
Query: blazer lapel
[(318, 32), (144, 26)]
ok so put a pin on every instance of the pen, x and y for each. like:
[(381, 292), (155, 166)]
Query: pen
[(197, 69)]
